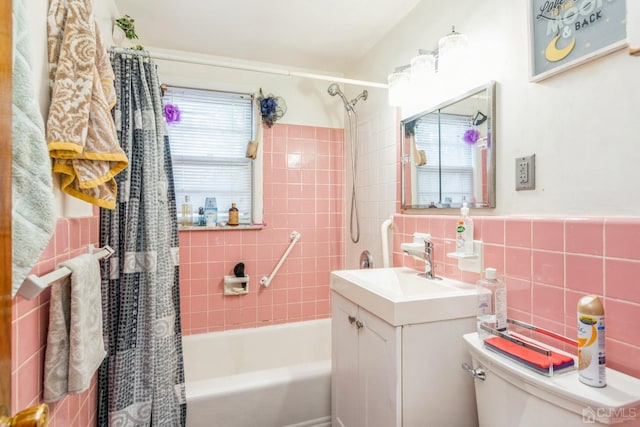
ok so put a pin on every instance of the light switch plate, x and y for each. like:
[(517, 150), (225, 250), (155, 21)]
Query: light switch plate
[(526, 173)]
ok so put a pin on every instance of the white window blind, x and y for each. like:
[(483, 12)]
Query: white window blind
[(449, 168), (208, 146)]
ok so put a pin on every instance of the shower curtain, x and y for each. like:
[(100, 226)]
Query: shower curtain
[(141, 381)]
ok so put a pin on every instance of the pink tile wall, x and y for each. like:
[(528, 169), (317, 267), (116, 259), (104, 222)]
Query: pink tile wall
[(548, 264), (303, 191), (303, 182), (30, 321)]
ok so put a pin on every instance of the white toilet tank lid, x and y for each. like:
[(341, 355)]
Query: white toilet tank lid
[(618, 401)]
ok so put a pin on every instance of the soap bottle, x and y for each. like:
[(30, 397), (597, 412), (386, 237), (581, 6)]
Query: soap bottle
[(187, 213), (591, 352), (492, 305), (233, 215), (464, 232)]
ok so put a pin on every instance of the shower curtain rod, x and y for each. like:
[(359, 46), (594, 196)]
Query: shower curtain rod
[(261, 69)]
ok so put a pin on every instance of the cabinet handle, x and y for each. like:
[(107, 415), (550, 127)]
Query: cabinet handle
[(351, 319), (359, 324)]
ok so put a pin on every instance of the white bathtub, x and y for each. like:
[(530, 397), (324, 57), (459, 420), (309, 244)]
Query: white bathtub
[(271, 376)]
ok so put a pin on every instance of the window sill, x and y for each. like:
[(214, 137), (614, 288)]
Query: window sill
[(221, 228)]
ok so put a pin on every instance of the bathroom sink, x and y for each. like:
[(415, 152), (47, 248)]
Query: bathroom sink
[(400, 296)]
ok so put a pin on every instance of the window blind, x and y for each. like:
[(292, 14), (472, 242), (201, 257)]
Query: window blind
[(449, 168), (208, 146)]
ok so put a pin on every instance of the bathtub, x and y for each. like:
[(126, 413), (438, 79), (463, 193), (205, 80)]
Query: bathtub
[(270, 376)]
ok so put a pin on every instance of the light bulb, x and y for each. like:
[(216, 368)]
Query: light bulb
[(399, 82)]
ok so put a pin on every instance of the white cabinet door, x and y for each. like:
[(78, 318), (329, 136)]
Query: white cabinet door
[(379, 372), (344, 363), (365, 384)]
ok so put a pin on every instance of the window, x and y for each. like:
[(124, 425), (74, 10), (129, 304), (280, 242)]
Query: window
[(448, 157), (208, 146)]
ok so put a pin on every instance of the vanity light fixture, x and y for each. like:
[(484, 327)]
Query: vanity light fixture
[(427, 67)]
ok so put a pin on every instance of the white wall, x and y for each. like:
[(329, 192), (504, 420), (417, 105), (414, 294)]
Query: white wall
[(582, 124), (308, 102)]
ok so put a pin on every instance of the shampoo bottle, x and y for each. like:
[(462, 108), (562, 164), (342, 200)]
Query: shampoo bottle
[(464, 232), (591, 352), (492, 303)]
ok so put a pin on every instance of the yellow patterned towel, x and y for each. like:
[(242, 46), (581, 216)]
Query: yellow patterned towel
[(81, 134)]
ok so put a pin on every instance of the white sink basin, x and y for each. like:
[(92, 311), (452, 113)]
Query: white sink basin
[(400, 296)]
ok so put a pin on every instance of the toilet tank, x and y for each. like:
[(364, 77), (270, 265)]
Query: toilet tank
[(513, 396)]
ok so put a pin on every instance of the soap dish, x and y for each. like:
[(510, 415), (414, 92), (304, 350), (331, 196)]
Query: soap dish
[(236, 285)]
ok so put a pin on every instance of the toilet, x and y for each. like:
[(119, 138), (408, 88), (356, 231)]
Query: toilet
[(510, 395)]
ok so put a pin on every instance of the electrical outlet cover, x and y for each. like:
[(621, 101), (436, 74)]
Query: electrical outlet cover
[(526, 173)]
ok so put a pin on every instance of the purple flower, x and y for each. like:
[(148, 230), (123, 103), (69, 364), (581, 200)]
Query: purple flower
[(172, 113), (471, 136)]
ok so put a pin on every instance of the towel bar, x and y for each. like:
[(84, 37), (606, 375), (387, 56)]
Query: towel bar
[(33, 285)]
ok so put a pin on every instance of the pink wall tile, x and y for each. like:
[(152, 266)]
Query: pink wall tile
[(623, 357), (494, 257), (584, 236), (621, 280), (548, 267), (493, 230), (518, 293), (548, 302), (623, 326), (585, 273), (621, 238), (518, 262), (548, 235), (518, 232)]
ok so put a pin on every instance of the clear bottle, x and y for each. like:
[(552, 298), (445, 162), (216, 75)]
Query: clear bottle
[(492, 305), (211, 211), (186, 219), (464, 232), (233, 215)]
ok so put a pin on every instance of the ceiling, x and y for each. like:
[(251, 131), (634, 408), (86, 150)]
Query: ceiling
[(328, 35)]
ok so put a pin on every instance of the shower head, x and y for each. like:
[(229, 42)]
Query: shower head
[(333, 89)]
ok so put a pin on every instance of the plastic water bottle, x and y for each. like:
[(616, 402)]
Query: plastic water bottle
[(492, 305)]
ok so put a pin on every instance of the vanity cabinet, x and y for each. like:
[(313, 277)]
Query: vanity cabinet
[(365, 367), (405, 375)]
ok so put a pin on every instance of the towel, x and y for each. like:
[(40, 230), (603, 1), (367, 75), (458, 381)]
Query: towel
[(81, 133), (33, 217), (529, 357), (75, 345)]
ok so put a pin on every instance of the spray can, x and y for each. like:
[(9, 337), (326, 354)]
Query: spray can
[(591, 352)]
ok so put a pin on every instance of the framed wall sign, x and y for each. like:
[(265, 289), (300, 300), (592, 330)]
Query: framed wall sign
[(567, 33)]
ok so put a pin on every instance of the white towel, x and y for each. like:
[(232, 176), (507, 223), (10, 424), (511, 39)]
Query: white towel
[(75, 345), (33, 217)]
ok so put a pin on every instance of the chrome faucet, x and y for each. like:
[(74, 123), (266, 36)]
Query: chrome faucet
[(427, 256)]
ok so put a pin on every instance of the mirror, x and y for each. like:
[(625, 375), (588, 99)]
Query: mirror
[(448, 153)]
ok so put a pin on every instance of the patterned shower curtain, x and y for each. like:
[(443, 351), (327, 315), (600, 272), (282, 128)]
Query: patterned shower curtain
[(141, 381)]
